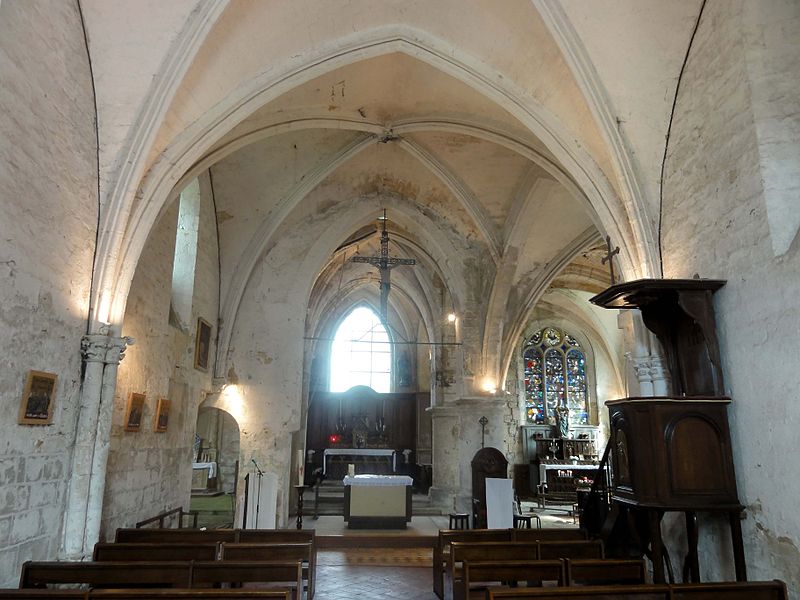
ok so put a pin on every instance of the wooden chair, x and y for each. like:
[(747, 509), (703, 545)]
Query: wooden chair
[(151, 552), (605, 572), (534, 572)]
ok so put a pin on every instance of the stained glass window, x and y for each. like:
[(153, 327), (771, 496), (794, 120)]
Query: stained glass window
[(555, 375)]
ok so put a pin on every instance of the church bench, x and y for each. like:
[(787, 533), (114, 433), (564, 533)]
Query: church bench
[(600, 592), (571, 549), (739, 590), (288, 574), (497, 552), (110, 574), (191, 594), (535, 572), (446, 536), (175, 536), (275, 552), (605, 571), (151, 552), (31, 594)]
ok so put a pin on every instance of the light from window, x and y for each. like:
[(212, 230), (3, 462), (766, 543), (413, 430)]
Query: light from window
[(555, 375), (361, 353)]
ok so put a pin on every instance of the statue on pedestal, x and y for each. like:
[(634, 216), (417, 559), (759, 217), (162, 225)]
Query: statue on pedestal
[(562, 419)]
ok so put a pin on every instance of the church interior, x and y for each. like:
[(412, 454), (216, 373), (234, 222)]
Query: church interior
[(254, 248)]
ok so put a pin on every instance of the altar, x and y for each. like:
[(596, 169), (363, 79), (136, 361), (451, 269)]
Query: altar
[(387, 453), (377, 501)]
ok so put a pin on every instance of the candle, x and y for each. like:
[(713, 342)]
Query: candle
[(351, 470), (300, 467)]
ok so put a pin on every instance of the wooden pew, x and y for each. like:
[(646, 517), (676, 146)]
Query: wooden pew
[(152, 552), (600, 592), (30, 594), (549, 534), (497, 552), (98, 574), (276, 552), (552, 549), (535, 572), (446, 536), (226, 594), (288, 574), (175, 536), (442, 547), (605, 572), (740, 590)]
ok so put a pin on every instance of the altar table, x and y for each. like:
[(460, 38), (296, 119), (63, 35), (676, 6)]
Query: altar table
[(387, 452), (377, 501)]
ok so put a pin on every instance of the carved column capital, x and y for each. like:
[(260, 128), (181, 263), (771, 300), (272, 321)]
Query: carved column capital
[(104, 349)]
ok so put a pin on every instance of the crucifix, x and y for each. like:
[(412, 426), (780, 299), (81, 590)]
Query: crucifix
[(483, 421), (609, 258), (385, 264)]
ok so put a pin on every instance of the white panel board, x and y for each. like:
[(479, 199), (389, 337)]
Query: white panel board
[(499, 503)]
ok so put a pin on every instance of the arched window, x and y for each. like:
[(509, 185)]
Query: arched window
[(555, 375), (361, 353)]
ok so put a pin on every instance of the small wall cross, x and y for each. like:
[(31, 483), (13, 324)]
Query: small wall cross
[(609, 258), (483, 421)]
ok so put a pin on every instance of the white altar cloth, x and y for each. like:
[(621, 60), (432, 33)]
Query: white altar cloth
[(211, 466), (378, 480), (357, 452), (544, 468)]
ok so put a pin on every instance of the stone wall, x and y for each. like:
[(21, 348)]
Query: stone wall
[(716, 224), (149, 472), (48, 219)]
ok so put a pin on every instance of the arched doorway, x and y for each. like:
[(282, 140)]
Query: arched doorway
[(215, 459)]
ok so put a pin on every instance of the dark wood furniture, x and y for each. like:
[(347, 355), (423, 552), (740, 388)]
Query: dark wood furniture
[(605, 571), (674, 453), (459, 520), (151, 552), (487, 462), (482, 573), (756, 590)]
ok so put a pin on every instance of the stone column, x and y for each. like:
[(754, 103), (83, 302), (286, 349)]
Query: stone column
[(445, 433), (90, 451)]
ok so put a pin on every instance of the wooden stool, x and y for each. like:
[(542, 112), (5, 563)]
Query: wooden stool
[(522, 522), (459, 521)]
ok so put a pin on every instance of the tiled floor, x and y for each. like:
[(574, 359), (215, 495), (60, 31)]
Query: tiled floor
[(394, 583)]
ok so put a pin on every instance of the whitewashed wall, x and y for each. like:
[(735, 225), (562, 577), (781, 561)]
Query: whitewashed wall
[(48, 217), (715, 224), (149, 472)]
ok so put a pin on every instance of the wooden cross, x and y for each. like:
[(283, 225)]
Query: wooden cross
[(609, 258), (483, 421), (385, 264)]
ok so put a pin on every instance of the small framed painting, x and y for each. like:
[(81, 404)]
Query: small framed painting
[(134, 411), (161, 420), (202, 344), (38, 399)]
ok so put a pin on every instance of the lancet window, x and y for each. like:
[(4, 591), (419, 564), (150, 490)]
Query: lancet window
[(361, 353), (555, 376)]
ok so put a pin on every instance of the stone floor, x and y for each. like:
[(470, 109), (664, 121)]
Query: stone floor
[(394, 583)]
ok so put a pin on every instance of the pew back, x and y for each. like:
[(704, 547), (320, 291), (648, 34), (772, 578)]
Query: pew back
[(175, 536), (535, 572), (571, 549), (605, 572), (98, 574), (151, 552)]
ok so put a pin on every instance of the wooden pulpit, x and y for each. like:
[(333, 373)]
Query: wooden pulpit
[(674, 453)]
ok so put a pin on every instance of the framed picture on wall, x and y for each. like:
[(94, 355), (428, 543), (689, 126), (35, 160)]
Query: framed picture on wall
[(134, 411), (161, 420), (38, 398), (202, 344)]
